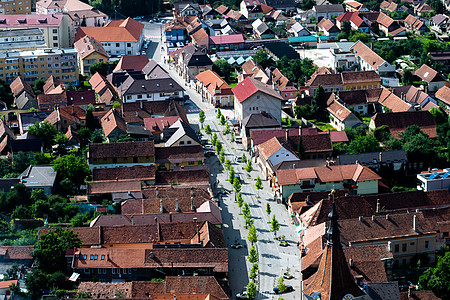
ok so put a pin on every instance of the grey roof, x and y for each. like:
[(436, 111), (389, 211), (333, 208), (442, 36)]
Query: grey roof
[(154, 70), (133, 86), (194, 6), (20, 32), (26, 101), (373, 158), (38, 176), (382, 290), (28, 119), (282, 49), (261, 120), (329, 8), (280, 4), (216, 23), (137, 129), (178, 130), (195, 57)]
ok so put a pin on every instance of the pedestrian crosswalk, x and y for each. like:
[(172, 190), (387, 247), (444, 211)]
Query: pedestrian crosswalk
[(153, 37)]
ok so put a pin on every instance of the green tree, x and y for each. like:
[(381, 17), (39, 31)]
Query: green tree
[(263, 59), (249, 166), (236, 184), (20, 212), (319, 104), (6, 94), (214, 139), (219, 146), (223, 68), (19, 195), (221, 156), (244, 158), (222, 120), (358, 35), (308, 4), (251, 290), (252, 236), (252, 255), (38, 86), (268, 209), (71, 167), (208, 129), (281, 286), (274, 224), (240, 200), (90, 120), (201, 117), (304, 111), (363, 144), (45, 131), (407, 78), (246, 209), (49, 252), (231, 175), (437, 279), (227, 129), (382, 133), (253, 274), (219, 113), (228, 164), (232, 137), (258, 184), (101, 67), (21, 161), (35, 282)]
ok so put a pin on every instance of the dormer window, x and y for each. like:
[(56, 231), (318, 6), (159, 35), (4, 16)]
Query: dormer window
[(22, 21)]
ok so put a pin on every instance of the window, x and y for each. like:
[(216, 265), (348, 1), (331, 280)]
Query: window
[(397, 248), (87, 271), (427, 244), (55, 38), (139, 96), (128, 97), (116, 270), (128, 44), (117, 45), (103, 257), (55, 30), (126, 270), (181, 142), (404, 247), (114, 160), (95, 257), (92, 257), (102, 271), (192, 162), (189, 142)]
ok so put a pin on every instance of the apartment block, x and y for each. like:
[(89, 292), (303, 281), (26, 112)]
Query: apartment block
[(31, 65), (22, 39), (56, 28), (15, 7)]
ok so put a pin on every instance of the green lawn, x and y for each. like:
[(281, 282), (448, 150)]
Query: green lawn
[(366, 120), (322, 125), (232, 85)]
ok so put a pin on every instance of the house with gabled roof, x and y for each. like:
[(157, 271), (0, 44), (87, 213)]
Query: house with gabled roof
[(415, 25), (253, 96), (433, 78), (24, 96), (358, 80), (356, 178), (340, 116), (327, 11), (390, 6), (157, 125), (191, 61), (388, 25), (399, 121), (90, 52), (67, 116), (441, 23), (214, 89), (443, 96), (422, 9), (105, 91), (180, 134), (370, 61), (415, 97), (329, 28), (261, 30), (118, 37), (356, 21)]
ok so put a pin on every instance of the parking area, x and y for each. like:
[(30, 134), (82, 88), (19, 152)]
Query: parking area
[(320, 57)]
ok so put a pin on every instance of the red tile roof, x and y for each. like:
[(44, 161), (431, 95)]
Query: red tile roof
[(327, 174), (226, 39), (159, 123), (399, 121), (16, 252), (53, 20), (443, 94), (132, 62), (88, 45), (214, 83), (250, 86), (120, 173), (128, 30)]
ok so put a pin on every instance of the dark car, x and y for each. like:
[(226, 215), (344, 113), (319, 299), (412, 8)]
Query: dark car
[(236, 246), (289, 288), (242, 295), (209, 153), (284, 244)]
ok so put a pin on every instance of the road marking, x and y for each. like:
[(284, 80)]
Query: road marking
[(153, 37)]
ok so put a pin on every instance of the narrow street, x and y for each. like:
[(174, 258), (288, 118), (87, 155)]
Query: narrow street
[(274, 259)]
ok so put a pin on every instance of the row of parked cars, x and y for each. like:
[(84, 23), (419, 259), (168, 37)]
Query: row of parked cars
[(149, 19)]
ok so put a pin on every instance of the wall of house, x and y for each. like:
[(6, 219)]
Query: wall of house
[(362, 109), (336, 123), (362, 85), (185, 141), (434, 86), (87, 62), (121, 162), (171, 166), (257, 103), (327, 88), (151, 96), (282, 155), (367, 187), (122, 48)]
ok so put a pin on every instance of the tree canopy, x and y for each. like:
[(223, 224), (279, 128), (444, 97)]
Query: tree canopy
[(438, 279), (71, 167), (44, 130)]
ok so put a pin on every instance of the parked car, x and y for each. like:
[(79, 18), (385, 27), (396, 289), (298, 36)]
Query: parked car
[(209, 153), (236, 246), (180, 44), (289, 288), (238, 159), (287, 276)]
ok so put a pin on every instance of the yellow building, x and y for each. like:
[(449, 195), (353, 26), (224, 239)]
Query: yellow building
[(362, 80), (15, 7), (89, 52), (41, 63)]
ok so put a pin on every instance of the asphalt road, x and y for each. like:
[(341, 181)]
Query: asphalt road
[(274, 260)]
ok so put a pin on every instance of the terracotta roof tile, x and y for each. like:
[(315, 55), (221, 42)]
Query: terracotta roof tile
[(16, 252), (178, 154), (399, 121), (128, 30), (250, 86), (120, 173), (214, 83), (88, 45), (111, 121), (428, 74), (19, 85), (443, 94), (367, 54), (126, 149)]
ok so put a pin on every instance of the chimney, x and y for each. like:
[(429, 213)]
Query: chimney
[(378, 206), (192, 192), (380, 157), (192, 204), (161, 209), (156, 220), (387, 217), (177, 209), (410, 291), (415, 223), (402, 96), (300, 131), (156, 192), (357, 162), (373, 217), (390, 246), (141, 104), (361, 218), (287, 134), (73, 109), (132, 220), (350, 263), (307, 198)]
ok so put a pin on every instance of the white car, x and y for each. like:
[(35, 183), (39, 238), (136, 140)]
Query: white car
[(180, 44), (169, 44)]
